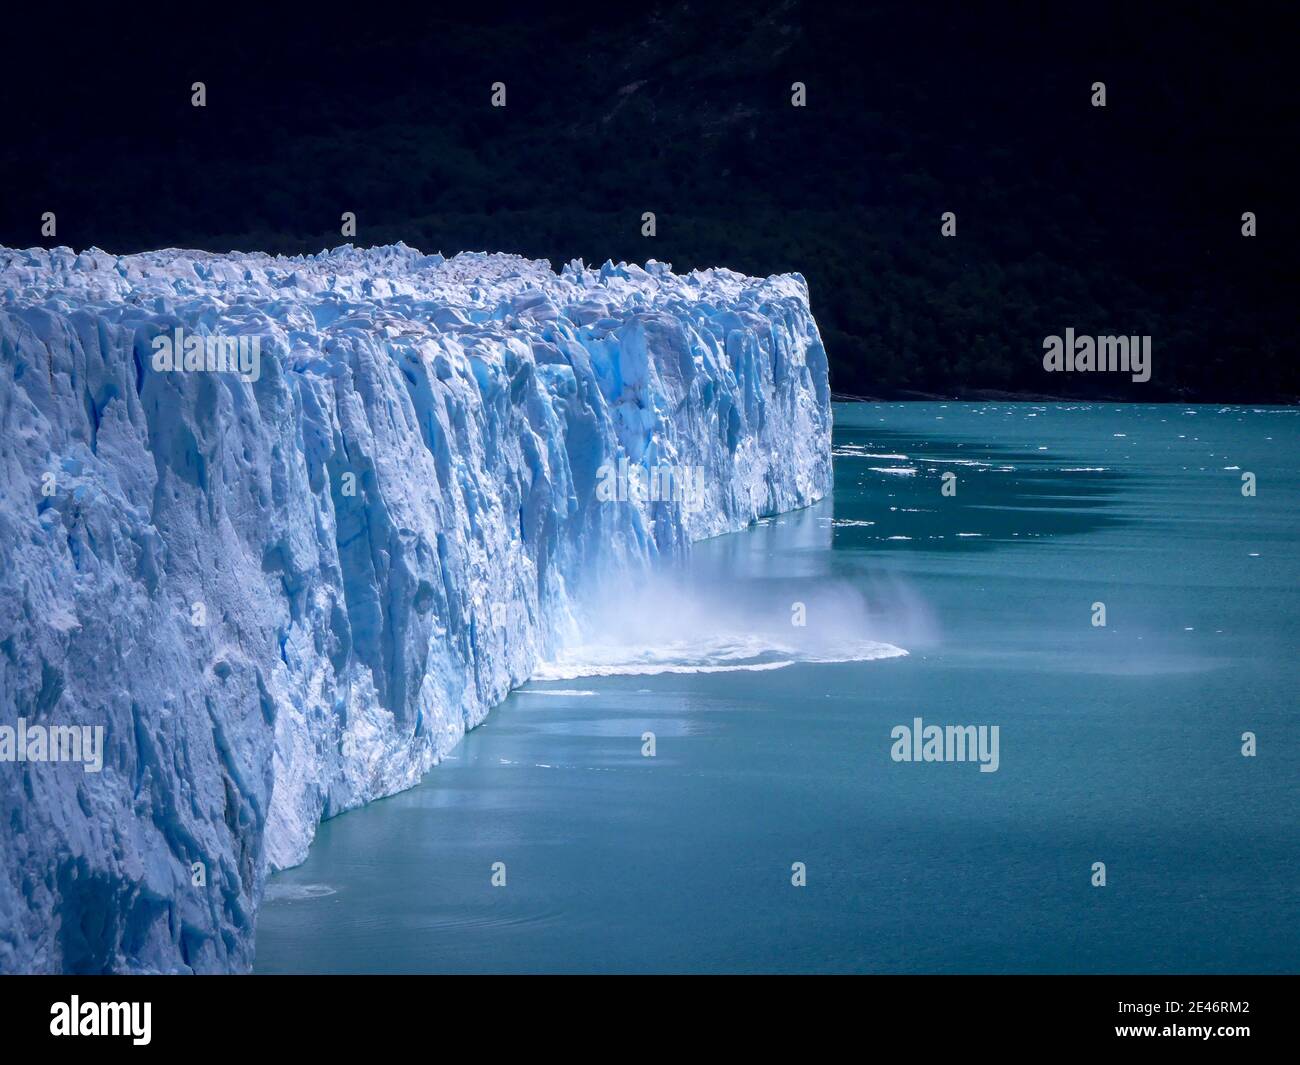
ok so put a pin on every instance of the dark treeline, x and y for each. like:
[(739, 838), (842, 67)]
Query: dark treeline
[(1124, 219)]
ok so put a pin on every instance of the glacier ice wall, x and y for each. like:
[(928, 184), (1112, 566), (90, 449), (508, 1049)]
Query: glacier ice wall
[(285, 597)]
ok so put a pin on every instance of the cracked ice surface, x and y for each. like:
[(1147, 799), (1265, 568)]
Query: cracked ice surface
[(381, 535)]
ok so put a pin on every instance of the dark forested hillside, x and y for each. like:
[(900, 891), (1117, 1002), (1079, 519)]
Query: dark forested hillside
[(1123, 219)]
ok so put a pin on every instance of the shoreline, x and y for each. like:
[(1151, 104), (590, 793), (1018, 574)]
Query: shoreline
[(993, 395)]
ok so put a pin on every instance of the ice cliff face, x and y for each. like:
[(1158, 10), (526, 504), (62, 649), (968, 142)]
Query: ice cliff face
[(285, 597)]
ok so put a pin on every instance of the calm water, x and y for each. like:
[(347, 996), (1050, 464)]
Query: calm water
[(1119, 744)]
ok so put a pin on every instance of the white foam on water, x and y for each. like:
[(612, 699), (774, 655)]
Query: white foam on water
[(277, 891), (859, 451), (725, 655), (705, 620)]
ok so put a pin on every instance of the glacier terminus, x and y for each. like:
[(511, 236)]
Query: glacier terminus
[(288, 591)]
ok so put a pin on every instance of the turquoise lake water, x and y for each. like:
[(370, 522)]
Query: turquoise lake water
[(1119, 744)]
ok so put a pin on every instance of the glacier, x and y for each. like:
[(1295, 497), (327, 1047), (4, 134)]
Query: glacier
[(285, 594)]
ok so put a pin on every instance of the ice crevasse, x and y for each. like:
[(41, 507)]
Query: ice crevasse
[(286, 596)]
